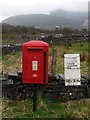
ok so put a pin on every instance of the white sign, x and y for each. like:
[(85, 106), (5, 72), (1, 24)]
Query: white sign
[(35, 65), (72, 69)]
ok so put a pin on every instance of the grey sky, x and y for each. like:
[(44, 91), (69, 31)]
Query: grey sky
[(15, 7)]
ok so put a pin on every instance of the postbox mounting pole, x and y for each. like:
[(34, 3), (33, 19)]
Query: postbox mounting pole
[(34, 97)]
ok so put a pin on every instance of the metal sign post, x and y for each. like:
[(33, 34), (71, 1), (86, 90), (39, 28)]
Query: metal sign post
[(34, 97)]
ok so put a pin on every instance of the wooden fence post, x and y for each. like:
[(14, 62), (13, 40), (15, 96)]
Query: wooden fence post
[(53, 64)]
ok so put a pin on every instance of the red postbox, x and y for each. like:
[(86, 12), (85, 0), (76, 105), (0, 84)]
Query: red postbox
[(35, 62)]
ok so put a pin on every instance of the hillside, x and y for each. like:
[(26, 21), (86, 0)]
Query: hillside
[(55, 18), (70, 14)]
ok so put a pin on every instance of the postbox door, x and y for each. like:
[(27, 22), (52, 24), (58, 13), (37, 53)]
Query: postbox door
[(33, 66)]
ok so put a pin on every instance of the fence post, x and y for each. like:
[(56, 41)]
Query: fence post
[(53, 64)]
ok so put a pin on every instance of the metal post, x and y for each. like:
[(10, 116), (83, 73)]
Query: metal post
[(34, 97)]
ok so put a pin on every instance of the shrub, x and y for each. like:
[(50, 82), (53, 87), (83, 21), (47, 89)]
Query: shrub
[(81, 45), (83, 57)]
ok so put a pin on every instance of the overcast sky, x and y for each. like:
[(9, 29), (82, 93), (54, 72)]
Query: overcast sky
[(15, 7)]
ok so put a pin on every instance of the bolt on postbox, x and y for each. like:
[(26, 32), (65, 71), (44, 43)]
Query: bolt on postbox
[(35, 62)]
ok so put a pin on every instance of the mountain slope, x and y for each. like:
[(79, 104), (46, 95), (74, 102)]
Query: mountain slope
[(44, 21), (70, 14)]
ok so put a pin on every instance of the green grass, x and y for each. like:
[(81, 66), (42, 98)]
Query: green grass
[(78, 47), (46, 109), (12, 62)]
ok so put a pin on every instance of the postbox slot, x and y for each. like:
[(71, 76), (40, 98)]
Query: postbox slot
[(44, 70), (31, 48)]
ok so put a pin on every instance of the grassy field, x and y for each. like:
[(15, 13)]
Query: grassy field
[(12, 62), (47, 108)]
